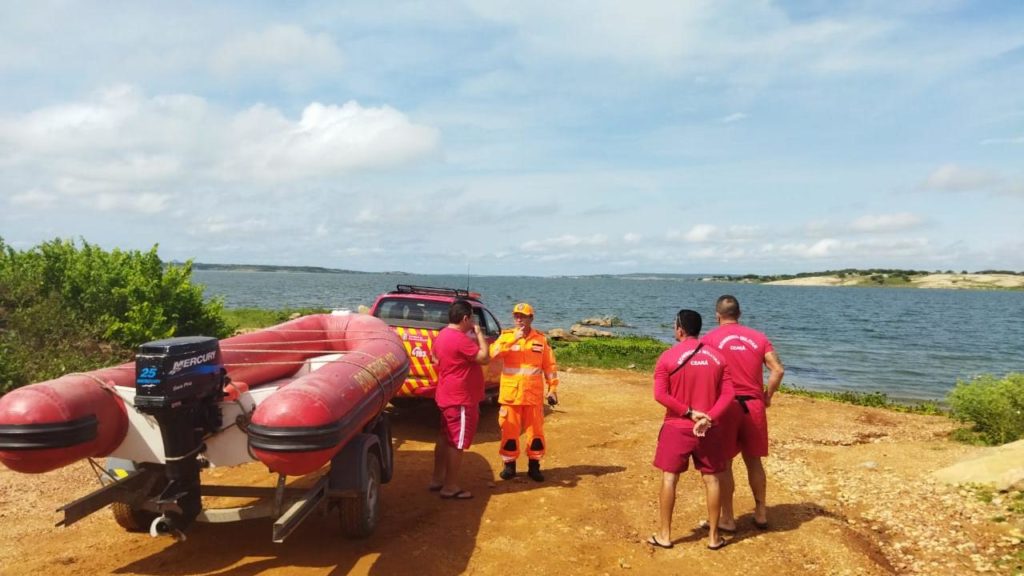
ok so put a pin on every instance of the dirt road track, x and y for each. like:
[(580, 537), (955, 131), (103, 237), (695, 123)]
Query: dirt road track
[(848, 494)]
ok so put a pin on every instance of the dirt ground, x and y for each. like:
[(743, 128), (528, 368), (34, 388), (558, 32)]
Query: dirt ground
[(849, 493)]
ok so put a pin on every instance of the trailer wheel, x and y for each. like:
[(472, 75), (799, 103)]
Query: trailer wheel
[(359, 514), (129, 517), (132, 519)]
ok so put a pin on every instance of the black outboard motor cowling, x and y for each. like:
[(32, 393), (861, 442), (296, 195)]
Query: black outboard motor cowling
[(179, 381)]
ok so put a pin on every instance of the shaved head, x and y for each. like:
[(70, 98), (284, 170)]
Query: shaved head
[(728, 307)]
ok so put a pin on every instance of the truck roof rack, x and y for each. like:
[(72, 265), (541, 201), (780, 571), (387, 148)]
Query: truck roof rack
[(435, 291)]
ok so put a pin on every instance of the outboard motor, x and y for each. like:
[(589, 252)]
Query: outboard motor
[(179, 381)]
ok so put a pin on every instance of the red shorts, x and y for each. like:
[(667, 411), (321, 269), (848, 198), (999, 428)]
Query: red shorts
[(746, 432), (458, 425), (676, 444)]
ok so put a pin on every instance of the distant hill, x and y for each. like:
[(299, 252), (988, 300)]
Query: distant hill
[(269, 268)]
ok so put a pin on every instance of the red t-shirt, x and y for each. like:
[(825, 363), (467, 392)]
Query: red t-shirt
[(460, 380), (744, 349), (703, 384)]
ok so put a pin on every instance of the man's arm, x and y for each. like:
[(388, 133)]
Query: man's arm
[(661, 390), (777, 370), (503, 345), (550, 369), (727, 393), (482, 356)]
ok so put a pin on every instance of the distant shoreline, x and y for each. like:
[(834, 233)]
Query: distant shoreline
[(273, 268), (893, 278), (984, 280)]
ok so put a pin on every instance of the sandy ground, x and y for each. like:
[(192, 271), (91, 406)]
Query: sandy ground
[(849, 493), (961, 281)]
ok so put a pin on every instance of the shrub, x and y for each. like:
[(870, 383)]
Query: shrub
[(65, 308), (995, 407)]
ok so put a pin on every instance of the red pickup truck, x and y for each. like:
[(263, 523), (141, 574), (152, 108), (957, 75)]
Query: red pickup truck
[(417, 314)]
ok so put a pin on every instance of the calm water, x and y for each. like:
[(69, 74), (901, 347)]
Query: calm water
[(909, 343)]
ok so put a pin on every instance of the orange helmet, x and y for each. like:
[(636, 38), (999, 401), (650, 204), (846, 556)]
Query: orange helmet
[(523, 308)]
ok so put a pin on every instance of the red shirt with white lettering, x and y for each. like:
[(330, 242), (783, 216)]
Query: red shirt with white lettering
[(703, 384), (744, 349), (460, 380)]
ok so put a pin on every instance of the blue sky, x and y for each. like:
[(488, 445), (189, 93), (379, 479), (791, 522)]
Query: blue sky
[(520, 137)]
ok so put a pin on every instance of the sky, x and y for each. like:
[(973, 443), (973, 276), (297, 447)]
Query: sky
[(519, 137)]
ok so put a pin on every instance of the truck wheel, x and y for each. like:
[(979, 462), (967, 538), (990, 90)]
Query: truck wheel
[(359, 514), (132, 519)]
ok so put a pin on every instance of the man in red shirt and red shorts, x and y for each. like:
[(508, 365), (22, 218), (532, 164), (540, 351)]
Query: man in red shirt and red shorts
[(692, 382), (460, 388), (747, 351)]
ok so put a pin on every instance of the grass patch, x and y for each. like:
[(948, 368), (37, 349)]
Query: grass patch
[(628, 352), (871, 399), (983, 492), (1016, 504), (253, 318)]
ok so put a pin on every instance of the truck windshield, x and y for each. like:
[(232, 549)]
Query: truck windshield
[(414, 310)]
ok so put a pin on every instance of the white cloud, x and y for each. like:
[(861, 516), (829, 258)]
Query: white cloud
[(121, 141), (144, 203), (735, 117), (823, 248), (643, 30), (34, 199), (563, 242), (742, 233), (953, 178), (277, 49), (710, 233), (886, 222), (218, 225), (326, 140), (632, 238), (719, 253), (700, 233), (871, 250)]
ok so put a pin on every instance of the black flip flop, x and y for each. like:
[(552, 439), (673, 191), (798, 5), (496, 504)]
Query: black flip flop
[(653, 541), (435, 487), (460, 495), (721, 544), (761, 525)]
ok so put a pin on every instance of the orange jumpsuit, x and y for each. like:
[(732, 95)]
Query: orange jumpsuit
[(528, 363)]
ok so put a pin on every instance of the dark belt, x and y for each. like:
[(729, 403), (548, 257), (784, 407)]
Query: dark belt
[(743, 402)]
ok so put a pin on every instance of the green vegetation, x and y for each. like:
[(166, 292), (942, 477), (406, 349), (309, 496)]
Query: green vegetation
[(994, 407), (253, 318), (629, 352), (65, 308), (872, 399)]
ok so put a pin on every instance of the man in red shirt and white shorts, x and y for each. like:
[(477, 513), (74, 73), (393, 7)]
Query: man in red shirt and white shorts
[(747, 351), (692, 382), (460, 388)]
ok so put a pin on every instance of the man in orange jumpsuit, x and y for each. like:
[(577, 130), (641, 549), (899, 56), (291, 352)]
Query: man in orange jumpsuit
[(528, 363)]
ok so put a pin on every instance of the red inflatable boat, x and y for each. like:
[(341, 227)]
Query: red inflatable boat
[(302, 389)]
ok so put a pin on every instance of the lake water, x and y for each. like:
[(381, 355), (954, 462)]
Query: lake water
[(912, 344)]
